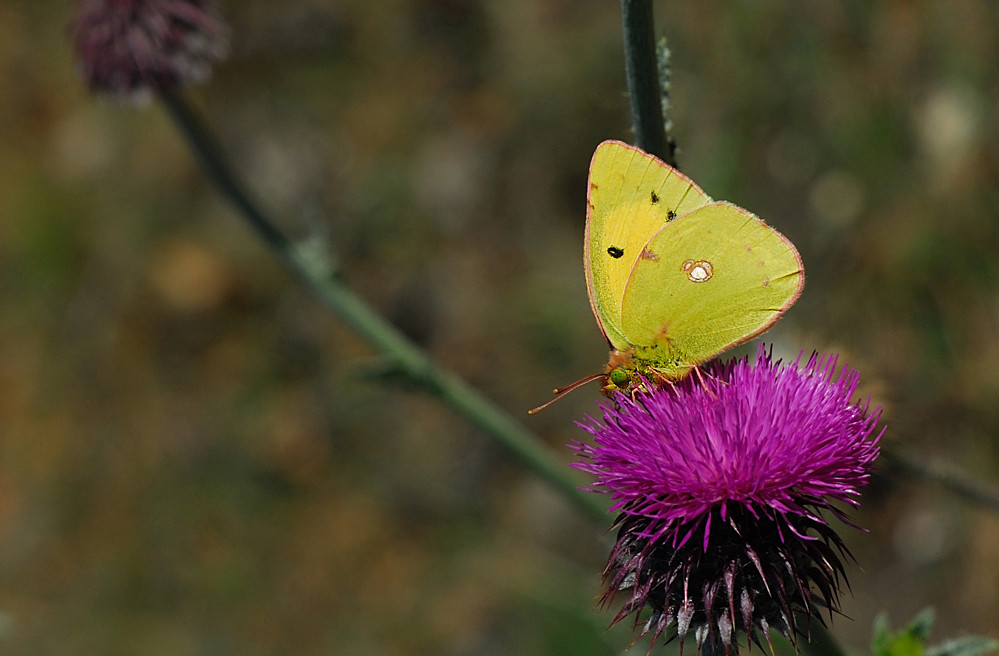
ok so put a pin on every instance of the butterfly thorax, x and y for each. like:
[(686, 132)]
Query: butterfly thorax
[(656, 363)]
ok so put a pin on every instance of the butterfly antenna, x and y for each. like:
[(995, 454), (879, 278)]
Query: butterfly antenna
[(559, 393)]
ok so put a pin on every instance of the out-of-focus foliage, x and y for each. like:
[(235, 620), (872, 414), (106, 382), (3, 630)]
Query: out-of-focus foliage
[(192, 460), (913, 639)]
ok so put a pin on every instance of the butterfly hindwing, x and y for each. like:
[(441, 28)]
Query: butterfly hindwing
[(709, 280)]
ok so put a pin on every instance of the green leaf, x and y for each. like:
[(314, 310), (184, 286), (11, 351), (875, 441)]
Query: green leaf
[(966, 646), (922, 624), (911, 641)]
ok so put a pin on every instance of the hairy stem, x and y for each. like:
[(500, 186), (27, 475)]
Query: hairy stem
[(642, 71)]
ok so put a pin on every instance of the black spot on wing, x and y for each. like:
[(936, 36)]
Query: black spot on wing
[(655, 198), (615, 252)]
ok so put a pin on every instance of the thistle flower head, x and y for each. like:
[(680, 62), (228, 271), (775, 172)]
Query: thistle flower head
[(131, 48), (719, 482)]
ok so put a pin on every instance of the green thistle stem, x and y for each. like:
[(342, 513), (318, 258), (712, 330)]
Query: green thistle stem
[(642, 70), (820, 642), (314, 268)]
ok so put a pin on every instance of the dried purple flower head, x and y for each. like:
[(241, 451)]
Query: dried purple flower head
[(131, 48), (719, 481)]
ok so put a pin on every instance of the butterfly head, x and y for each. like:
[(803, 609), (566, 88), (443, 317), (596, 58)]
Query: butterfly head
[(623, 373)]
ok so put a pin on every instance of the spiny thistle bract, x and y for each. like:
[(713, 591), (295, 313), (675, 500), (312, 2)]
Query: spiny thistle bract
[(719, 482)]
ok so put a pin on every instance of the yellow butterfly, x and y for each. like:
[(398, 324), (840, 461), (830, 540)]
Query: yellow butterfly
[(675, 278)]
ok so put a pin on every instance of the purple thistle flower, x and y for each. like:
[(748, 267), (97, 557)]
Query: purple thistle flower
[(719, 482), (130, 48)]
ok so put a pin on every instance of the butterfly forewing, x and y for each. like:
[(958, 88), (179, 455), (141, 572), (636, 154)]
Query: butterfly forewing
[(631, 196)]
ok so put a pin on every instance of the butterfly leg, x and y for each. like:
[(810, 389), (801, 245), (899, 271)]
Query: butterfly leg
[(701, 375)]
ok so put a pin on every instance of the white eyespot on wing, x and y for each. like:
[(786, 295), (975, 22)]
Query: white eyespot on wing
[(698, 270)]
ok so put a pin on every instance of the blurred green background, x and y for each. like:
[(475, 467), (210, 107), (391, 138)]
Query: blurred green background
[(192, 460)]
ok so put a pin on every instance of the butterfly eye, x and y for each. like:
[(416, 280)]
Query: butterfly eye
[(619, 377)]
